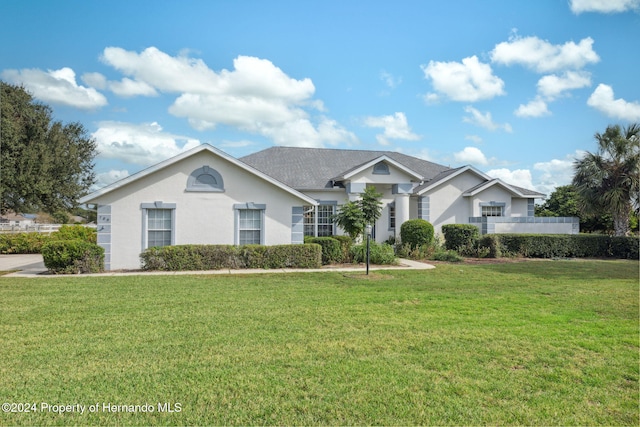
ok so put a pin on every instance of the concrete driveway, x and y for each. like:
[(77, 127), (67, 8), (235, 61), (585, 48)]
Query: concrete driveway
[(28, 264)]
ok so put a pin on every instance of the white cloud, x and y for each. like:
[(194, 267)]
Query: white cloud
[(518, 177), (139, 144), (535, 108), (543, 57), (602, 99), (474, 138), (556, 172), (395, 127), (603, 6), (471, 155), (127, 87), (389, 80), (105, 178), (468, 81), (256, 96), (477, 118), (57, 87), (95, 80), (252, 77), (236, 144), (553, 86)]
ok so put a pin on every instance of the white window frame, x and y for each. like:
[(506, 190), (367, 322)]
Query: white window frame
[(315, 220), (155, 206), (250, 206), (392, 216), (492, 209)]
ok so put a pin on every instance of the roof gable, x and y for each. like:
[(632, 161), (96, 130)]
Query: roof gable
[(516, 191), (448, 175), (318, 168), (200, 148), (371, 163)]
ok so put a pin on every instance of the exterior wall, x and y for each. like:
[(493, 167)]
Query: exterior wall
[(395, 176), (520, 207), (528, 225), (200, 217), (446, 204), (495, 194)]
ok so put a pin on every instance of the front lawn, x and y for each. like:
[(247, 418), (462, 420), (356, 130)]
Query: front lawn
[(538, 342)]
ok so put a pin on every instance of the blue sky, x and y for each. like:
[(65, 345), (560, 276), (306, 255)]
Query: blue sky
[(515, 88)]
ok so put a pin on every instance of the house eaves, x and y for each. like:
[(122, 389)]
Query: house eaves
[(203, 147), (517, 191), (384, 158), (448, 175)]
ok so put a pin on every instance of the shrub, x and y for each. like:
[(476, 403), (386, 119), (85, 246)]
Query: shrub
[(22, 243), (75, 232), (625, 247), (191, 257), (461, 237), (216, 257), (254, 256), (73, 257), (381, 254), (345, 246), (447, 256), (419, 252), (564, 245), (294, 256), (492, 243), (331, 249), (416, 232)]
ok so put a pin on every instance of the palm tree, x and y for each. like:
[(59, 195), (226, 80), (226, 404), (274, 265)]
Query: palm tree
[(607, 181)]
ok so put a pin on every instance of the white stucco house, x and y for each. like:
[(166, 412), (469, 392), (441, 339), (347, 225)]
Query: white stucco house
[(281, 194)]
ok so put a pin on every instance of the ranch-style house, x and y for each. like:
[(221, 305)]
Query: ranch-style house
[(281, 194)]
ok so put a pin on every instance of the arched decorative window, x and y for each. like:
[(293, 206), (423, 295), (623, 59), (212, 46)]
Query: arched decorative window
[(381, 168), (205, 179)]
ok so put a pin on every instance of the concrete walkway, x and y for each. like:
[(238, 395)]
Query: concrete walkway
[(33, 266)]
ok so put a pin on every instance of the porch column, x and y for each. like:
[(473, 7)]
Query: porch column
[(402, 210)]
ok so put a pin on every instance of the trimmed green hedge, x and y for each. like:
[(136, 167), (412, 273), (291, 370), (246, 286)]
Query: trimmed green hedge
[(73, 257), (75, 232), (345, 246), (460, 237), (416, 232), (562, 245), (22, 243), (216, 257), (31, 243), (331, 249)]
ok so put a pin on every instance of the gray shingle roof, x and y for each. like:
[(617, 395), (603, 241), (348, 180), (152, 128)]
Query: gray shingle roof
[(313, 168)]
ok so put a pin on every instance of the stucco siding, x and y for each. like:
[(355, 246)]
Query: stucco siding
[(395, 176), (493, 194), (446, 205), (200, 217), (519, 207)]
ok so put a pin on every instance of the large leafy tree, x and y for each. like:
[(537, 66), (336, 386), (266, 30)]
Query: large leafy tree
[(608, 180), (565, 201), (45, 165)]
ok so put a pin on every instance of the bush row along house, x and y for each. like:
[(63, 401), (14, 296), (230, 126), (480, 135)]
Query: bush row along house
[(281, 194)]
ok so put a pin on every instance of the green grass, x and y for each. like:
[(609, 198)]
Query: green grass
[(534, 343)]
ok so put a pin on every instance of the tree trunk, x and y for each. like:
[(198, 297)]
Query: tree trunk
[(621, 223)]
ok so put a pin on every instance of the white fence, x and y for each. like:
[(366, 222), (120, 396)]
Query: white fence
[(32, 228)]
